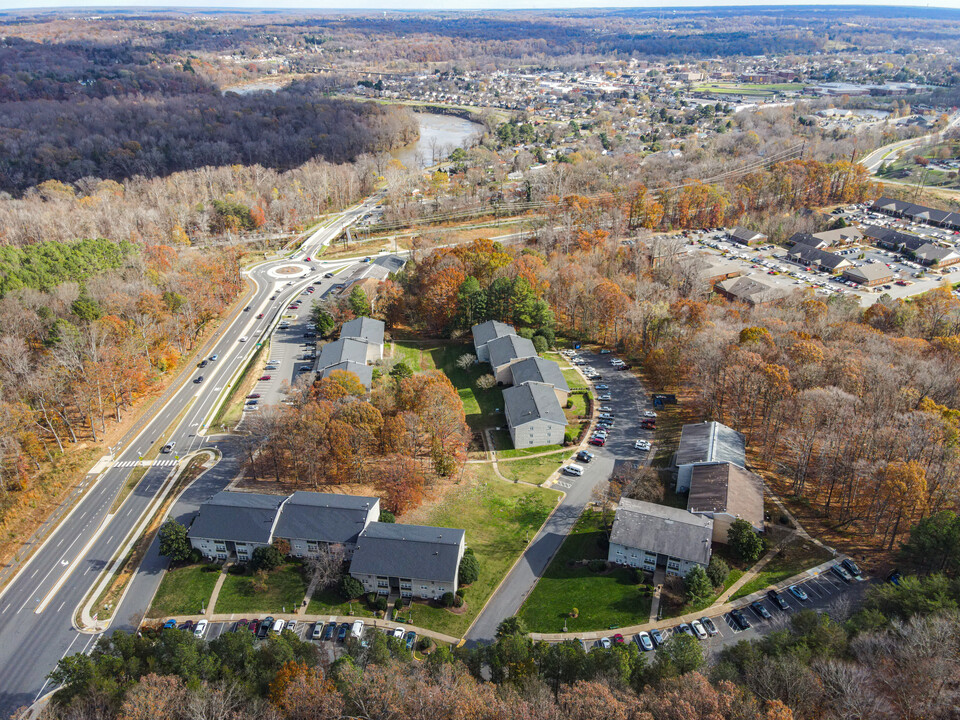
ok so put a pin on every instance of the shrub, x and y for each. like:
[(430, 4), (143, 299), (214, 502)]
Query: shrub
[(424, 643), (372, 599), (387, 517), (350, 588), (598, 565), (469, 569), (381, 603), (447, 599), (717, 571), (458, 600), (267, 558), (398, 604), (697, 585), (540, 344), (744, 541)]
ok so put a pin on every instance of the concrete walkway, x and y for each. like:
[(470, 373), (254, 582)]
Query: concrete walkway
[(748, 575), (212, 602), (659, 577)]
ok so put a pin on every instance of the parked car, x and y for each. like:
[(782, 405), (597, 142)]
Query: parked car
[(683, 628), (330, 631), (649, 414), (254, 626), (278, 626), (573, 469), (170, 624), (585, 456), (699, 630), (851, 567), (618, 639), (264, 628), (644, 641), (602, 387), (739, 619), (264, 378), (606, 416), (895, 577), (200, 630), (410, 639), (605, 397), (188, 625), (253, 396), (642, 445), (241, 625), (798, 593), (709, 626), (841, 573), (356, 629), (777, 599), (760, 610), (605, 423), (342, 631), (317, 631), (657, 636), (598, 441), (605, 643), (648, 424)]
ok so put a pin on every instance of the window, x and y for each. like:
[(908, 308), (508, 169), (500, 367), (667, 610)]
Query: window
[(406, 593), (221, 548), (382, 583), (424, 587), (313, 547)]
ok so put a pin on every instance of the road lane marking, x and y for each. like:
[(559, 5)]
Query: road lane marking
[(70, 566)]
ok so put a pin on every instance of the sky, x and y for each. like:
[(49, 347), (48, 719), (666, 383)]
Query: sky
[(447, 4)]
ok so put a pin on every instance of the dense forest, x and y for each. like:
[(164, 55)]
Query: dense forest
[(158, 134)]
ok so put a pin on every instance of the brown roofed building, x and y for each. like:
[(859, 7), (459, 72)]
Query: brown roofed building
[(869, 275), (725, 492), (748, 290)]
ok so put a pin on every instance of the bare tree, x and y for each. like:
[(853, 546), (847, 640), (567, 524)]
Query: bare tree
[(326, 567)]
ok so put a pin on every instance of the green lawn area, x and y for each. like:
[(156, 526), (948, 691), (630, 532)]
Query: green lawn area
[(483, 408), (797, 557), (330, 602), (504, 446), (578, 402), (533, 470), (574, 379), (758, 88), (184, 590), (704, 604), (498, 518), (603, 600), (285, 591)]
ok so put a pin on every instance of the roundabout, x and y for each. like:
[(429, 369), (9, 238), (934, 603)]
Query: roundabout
[(289, 271)]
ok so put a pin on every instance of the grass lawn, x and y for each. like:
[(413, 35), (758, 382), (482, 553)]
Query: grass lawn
[(578, 402), (704, 604), (285, 591), (330, 602), (574, 379), (603, 600), (483, 408), (498, 518), (533, 470), (184, 590), (795, 558)]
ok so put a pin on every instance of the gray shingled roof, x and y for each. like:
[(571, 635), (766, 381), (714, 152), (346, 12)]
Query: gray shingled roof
[(392, 263), (532, 401), (745, 235), (723, 487), (324, 517), (490, 330), (663, 530), (408, 551), (237, 516), (536, 369), (930, 253), (810, 255), (710, 442), (871, 272), (509, 347), (364, 328), (343, 350), (751, 290), (364, 372)]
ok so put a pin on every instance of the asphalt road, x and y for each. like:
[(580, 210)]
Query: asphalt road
[(628, 401), (37, 607)]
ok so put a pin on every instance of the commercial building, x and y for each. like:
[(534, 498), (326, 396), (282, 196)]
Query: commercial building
[(745, 236), (917, 213), (648, 536), (749, 290), (809, 256), (869, 275)]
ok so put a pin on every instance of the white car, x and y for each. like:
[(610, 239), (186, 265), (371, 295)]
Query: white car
[(643, 639), (605, 643), (642, 445), (698, 629), (243, 338), (201, 629), (278, 626), (357, 629), (649, 413), (398, 632)]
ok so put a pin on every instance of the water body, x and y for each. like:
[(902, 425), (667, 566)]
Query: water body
[(439, 136)]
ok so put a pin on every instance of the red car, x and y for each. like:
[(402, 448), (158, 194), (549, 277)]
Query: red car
[(599, 442), (253, 396), (618, 639), (306, 259), (649, 424), (292, 307), (265, 377), (259, 316), (254, 625)]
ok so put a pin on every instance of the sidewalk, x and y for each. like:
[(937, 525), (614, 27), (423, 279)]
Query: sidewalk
[(212, 602), (748, 575)]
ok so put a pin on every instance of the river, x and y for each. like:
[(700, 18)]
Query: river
[(439, 136)]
